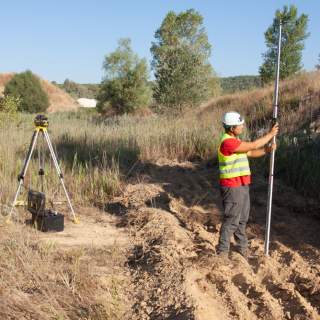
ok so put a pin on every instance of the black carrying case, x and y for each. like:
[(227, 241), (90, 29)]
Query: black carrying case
[(49, 221), (43, 219)]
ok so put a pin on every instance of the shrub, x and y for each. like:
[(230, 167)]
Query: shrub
[(27, 87), (9, 106)]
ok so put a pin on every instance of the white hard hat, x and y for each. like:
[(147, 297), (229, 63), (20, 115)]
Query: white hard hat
[(232, 119)]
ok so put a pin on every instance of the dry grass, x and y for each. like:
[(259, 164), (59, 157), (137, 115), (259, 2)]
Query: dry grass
[(256, 105), (40, 281), (98, 155)]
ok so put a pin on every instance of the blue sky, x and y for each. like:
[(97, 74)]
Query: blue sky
[(68, 39)]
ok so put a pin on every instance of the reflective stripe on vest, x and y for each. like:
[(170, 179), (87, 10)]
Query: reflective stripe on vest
[(236, 165)]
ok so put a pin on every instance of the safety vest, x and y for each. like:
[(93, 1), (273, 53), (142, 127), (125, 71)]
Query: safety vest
[(236, 165)]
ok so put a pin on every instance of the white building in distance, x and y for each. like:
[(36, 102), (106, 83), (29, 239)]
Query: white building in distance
[(87, 103)]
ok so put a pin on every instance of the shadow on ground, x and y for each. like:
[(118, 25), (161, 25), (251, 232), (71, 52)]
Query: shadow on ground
[(295, 220), (89, 153)]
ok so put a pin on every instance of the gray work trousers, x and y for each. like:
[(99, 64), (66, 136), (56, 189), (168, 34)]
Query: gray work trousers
[(236, 205)]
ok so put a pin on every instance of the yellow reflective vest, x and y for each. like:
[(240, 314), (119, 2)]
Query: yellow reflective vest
[(236, 165)]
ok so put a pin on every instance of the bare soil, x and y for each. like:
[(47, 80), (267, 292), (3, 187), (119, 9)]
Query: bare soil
[(173, 211), (94, 229)]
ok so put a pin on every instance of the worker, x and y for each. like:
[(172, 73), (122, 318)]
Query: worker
[(235, 178)]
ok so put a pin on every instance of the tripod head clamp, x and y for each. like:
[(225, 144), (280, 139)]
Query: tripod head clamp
[(41, 121)]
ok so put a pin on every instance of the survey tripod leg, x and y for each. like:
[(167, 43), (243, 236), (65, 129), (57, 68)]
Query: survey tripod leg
[(41, 124), (25, 167), (41, 164), (60, 175)]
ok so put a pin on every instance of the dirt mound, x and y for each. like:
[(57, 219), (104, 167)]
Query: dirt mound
[(59, 100), (174, 214), (4, 78), (157, 264)]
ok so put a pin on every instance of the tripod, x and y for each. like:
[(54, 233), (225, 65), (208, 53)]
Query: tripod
[(41, 124)]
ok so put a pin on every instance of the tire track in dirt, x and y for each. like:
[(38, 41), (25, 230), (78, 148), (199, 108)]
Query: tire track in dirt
[(274, 276), (302, 283)]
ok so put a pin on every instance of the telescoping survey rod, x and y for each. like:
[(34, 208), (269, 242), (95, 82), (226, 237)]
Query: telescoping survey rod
[(271, 170)]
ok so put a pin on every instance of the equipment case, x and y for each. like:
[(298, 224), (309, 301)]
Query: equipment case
[(49, 221)]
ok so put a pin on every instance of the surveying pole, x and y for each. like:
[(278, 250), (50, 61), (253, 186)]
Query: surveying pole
[(272, 156)]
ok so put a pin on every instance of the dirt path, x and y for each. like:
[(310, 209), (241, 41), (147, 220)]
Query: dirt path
[(95, 229), (174, 213), (79, 273)]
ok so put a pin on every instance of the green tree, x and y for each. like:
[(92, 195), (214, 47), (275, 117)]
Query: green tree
[(184, 76), (294, 32), (27, 87), (125, 87)]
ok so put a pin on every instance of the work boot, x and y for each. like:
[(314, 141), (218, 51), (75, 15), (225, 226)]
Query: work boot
[(223, 255), (246, 254)]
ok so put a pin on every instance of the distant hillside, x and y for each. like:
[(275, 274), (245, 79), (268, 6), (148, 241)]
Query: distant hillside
[(228, 85), (59, 100), (239, 83), (79, 90), (299, 104)]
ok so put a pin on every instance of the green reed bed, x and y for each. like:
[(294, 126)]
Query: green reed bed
[(96, 155)]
